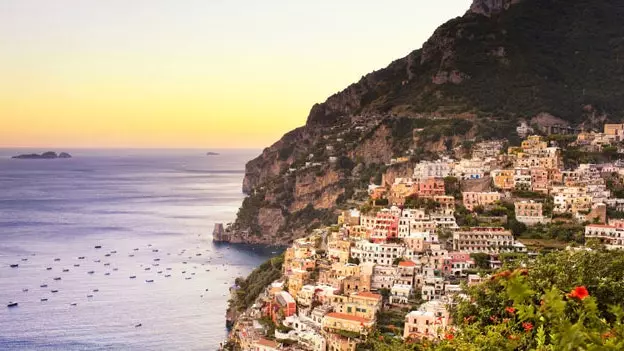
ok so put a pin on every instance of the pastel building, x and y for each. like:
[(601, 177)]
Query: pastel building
[(530, 212), (430, 321), (336, 322), (486, 240), (611, 236), (474, 199)]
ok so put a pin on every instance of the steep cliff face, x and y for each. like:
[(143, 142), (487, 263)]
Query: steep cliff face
[(476, 77)]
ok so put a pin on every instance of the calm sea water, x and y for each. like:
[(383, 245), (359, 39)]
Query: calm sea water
[(153, 213)]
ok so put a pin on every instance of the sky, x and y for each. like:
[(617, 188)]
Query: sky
[(190, 73)]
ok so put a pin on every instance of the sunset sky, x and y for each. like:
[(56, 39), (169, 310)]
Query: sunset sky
[(190, 73)]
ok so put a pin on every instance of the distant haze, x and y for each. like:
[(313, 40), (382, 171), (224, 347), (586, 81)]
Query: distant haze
[(195, 73)]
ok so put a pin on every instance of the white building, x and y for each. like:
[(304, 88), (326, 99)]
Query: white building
[(381, 254), (611, 236), (438, 169)]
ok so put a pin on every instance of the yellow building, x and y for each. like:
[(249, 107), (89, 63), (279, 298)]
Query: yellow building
[(339, 250), (362, 304), (503, 179), (335, 321), (296, 280), (614, 129)]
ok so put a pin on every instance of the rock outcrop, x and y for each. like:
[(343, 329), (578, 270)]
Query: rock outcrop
[(491, 7)]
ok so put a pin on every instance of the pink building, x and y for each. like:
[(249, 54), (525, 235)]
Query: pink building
[(539, 180), (385, 226), (431, 187)]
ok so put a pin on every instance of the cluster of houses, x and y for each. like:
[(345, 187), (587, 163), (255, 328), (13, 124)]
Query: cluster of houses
[(337, 281)]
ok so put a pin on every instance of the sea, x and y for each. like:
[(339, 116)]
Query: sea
[(114, 249)]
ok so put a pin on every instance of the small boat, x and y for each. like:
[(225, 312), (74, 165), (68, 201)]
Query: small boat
[(57, 278), (207, 270), (76, 265), (149, 245), (14, 265), (24, 290), (113, 252), (54, 291), (188, 278), (115, 269), (147, 268), (12, 304), (157, 259), (168, 268), (159, 272), (136, 249), (131, 255), (167, 275), (198, 254), (48, 268), (43, 299), (184, 262), (65, 270), (81, 258), (193, 273), (107, 264), (149, 280), (98, 246), (132, 276), (24, 259), (96, 290), (107, 273), (107, 255), (97, 261), (73, 304), (183, 272), (89, 296), (91, 272), (43, 285), (57, 259), (138, 325), (155, 250)]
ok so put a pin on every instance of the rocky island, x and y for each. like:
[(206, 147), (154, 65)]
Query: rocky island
[(49, 155), (212, 153)]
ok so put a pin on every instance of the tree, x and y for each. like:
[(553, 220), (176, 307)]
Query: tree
[(482, 260)]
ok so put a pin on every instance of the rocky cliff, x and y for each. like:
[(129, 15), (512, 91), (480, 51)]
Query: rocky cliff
[(476, 77)]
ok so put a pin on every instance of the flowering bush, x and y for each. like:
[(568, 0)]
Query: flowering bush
[(562, 301)]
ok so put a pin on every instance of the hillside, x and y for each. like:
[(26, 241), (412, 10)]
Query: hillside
[(548, 62)]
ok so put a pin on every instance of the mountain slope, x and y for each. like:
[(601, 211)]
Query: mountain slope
[(477, 76)]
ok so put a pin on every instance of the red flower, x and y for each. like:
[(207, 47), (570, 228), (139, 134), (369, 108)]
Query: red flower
[(510, 310), (494, 319), (580, 292), (527, 326), (449, 337), (607, 335)]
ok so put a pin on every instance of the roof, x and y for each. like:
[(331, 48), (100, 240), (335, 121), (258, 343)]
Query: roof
[(407, 264), (348, 317), (269, 343), (367, 294), (601, 226)]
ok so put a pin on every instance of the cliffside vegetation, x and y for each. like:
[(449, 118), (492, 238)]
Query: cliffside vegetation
[(249, 288)]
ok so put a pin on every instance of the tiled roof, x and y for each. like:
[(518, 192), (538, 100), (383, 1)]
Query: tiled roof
[(407, 264), (269, 343)]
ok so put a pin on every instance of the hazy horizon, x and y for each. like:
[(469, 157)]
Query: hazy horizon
[(197, 74)]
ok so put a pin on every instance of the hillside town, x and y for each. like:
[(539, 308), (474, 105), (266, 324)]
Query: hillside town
[(399, 263)]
